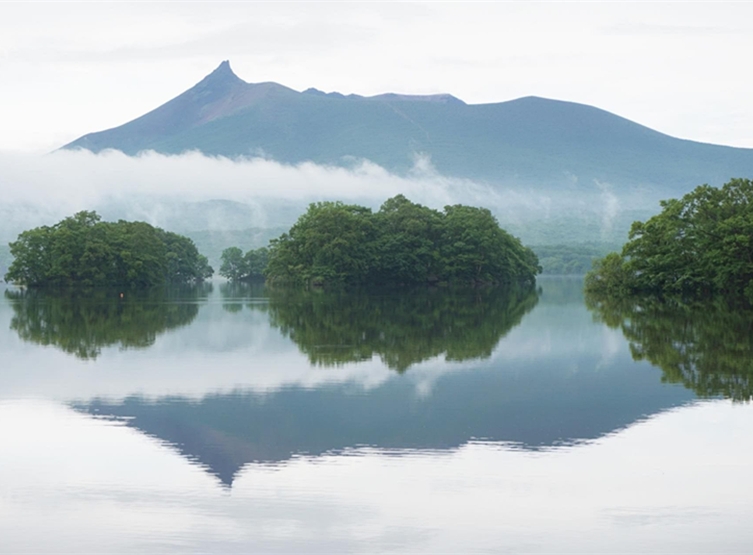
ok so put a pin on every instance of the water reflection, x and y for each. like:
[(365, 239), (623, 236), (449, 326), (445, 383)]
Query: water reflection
[(546, 384), (458, 456), (401, 327), (526, 406), (267, 376), (82, 323), (704, 346)]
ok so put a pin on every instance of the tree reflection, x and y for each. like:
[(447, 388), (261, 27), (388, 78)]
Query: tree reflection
[(237, 293), (403, 327), (704, 346), (83, 323)]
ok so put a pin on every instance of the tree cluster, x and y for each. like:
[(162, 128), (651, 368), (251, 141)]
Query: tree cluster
[(237, 266), (402, 243), (699, 245), (82, 250)]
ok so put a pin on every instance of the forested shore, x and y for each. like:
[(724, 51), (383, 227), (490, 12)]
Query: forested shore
[(698, 246)]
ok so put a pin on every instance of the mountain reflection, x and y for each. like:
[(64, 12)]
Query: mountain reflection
[(402, 328), (83, 323), (704, 346), (550, 385), (531, 407)]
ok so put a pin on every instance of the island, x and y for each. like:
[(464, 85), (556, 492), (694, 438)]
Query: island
[(403, 243), (83, 250)]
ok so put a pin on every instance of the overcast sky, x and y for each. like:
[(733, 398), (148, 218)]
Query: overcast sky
[(681, 68)]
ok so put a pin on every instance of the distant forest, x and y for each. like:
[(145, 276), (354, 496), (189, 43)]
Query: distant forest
[(571, 259)]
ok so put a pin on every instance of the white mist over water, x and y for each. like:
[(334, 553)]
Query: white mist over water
[(168, 191)]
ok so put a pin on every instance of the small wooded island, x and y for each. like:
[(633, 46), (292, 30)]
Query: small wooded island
[(404, 243), (333, 243), (82, 250), (698, 246)]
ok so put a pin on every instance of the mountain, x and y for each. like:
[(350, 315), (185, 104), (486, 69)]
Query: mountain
[(528, 141)]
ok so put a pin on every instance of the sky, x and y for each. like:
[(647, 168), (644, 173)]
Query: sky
[(69, 68)]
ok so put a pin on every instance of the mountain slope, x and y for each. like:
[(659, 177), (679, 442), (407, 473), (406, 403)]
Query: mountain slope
[(528, 141)]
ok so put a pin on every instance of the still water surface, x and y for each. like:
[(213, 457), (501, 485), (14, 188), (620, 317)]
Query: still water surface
[(234, 419)]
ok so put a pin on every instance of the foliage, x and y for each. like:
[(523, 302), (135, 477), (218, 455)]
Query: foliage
[(233, 266), (256, 261), (331, 242), (401, 327), (699, 245), (403, 243), (82, 250), (704, 346), (475, 249), (84, 324), (608, 276), (406, 248), (239, 267)]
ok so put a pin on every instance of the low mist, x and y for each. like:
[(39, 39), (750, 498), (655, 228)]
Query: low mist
[(214, 198)]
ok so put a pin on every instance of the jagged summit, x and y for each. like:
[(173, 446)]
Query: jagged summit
[(220, 83), (223, 72), (441, 98), (224, 67)]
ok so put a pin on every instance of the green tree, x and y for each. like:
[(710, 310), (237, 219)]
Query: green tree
[(474, 248), (407, 245), (249, 267), (699, 245), (256, 261), (332, 242), (233, 265), (608, 276), (183, 262), (82, 250), (403, 243), (32, 257)]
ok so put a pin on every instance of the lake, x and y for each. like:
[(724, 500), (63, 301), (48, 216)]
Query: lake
[(230, 419)]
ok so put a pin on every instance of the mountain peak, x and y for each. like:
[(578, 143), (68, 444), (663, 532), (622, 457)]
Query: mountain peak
[(224, 67), (223, 72)]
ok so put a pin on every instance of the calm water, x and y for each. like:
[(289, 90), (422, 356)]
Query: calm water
[(233, 419)]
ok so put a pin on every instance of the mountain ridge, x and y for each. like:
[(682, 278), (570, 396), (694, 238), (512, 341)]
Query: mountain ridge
[(530, 141)]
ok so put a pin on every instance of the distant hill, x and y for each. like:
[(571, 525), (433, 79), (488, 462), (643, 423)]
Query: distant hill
[(529, 142)]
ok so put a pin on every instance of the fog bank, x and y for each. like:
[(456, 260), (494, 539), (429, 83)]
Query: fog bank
[(192, 192)]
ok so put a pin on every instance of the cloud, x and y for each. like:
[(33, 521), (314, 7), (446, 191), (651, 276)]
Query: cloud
[(610, 207), (39, 190), (76, 177)]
